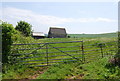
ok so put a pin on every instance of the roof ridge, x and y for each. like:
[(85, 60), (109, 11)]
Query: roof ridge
[(56, 28)]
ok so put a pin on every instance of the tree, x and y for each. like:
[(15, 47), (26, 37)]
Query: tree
[(24, 27), (7, 33)]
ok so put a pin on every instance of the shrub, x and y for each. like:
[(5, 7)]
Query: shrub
[(7, 32)]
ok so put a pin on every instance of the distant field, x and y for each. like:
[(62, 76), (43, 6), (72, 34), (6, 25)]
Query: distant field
[(93, 35)]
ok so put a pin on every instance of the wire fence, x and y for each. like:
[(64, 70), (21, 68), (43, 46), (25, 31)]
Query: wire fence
[(45, 54)]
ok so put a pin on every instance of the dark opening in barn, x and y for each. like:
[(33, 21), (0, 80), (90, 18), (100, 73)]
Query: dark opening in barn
[(57, 33)]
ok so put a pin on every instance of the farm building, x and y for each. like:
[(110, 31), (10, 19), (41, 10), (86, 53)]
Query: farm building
[(57, 33), (38, 35)]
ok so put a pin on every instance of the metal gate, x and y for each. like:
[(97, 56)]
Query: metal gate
[(44, 54)]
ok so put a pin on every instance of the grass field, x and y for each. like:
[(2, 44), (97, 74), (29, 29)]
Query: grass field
[(66, 70), (93, 35)]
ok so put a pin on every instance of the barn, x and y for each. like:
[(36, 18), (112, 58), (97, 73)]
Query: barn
[(38, 35), (55, 32)]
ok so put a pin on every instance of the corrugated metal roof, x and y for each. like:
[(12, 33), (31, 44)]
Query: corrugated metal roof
[(38, 34)]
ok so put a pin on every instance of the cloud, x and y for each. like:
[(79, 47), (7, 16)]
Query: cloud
[(105, 20), (13, 15)]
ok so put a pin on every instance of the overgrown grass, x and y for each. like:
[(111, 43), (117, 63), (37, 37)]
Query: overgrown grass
[(93, 70), (20, 72)]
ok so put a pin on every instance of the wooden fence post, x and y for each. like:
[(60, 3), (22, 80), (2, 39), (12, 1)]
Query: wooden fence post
[(83, 57), (47, 52), (101, 47)]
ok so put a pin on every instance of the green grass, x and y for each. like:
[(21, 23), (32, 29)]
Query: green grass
[(93, 70), (20, 72), (59, 71), (92, 41), (93, 35)]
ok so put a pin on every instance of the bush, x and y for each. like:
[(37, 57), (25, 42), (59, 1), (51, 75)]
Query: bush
[(7, 32)]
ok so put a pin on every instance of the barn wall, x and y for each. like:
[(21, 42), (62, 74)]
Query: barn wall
[(57, 35)]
